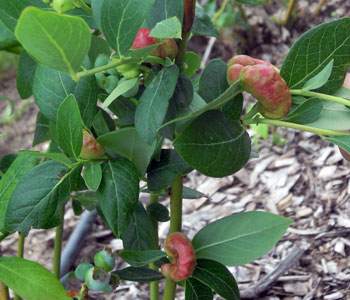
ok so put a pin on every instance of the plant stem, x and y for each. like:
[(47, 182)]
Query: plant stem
[(319, 131), (289, 11), (20, 251), (175, 226), (250, 114), (4, 290), (321, 96), (85, 7), (180, 58), (104, 68), (218, 14), (323, 2), (154, 285), (58, 245)]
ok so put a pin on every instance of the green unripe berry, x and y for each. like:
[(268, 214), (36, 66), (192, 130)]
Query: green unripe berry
[(101, 79), (105, 259), (111, 84), (62, 6), (97, 279), (101, 60), (80, 271)]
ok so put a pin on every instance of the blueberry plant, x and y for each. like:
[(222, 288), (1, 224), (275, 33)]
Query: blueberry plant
[(125, 112)]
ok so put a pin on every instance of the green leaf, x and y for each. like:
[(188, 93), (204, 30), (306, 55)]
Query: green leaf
[(7, 38), (320, 79), (51, 87), (312, 52), (233, 109), (10, 11), (103, 123), (141, 274), (96, 11), (25, 75), (158, 212), (6, 161), (118, 194), (213, 80), (305, 112), (34, 204), (154, 102), (164, 9), (121, 22), (142, 53), (168, 28), (217, 277), (193, 61), (188, 193), (221, 100), (92, 176), (87, 17), (127, 143), (197, 103), (341, 141), (334, 116), (30, 280), (8, 183), (59, 157), (124, 109), (195, 290), (141, 258), (57, 41), (184, 92), (121, 88), (162, 173), (203, 25), (76, 181), (42, 129), (139, 233), (69, 127), (246, 235), (213, 145)]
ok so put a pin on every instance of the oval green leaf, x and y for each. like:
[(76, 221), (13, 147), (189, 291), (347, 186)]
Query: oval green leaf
[(30, 280), (195, 290), (218, 277), (306, 112), (127, 143), (139, 233), (58, 41), (69, 127), (8, 183), (314, 50), (213, 145), (92, 176), (119, 193), (240, 238), (36, 205)]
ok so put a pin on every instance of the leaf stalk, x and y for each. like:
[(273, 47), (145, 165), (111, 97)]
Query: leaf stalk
[(321, 96)]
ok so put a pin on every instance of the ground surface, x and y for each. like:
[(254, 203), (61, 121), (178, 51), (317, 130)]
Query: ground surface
[(305, 179)]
